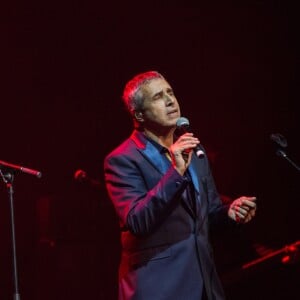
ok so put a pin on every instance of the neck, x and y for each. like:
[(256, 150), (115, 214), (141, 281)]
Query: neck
[(164, 139)]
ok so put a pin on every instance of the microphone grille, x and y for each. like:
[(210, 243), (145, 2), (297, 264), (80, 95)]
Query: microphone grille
[(80, 175), (279, 139), (182, 122)]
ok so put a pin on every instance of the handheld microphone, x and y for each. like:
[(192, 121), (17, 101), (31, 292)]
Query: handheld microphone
[(183, 126)]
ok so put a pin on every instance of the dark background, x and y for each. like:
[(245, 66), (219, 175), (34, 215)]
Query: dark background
[(234, 67)]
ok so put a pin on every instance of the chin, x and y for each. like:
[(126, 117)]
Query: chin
[(172, 123), (174, 120)]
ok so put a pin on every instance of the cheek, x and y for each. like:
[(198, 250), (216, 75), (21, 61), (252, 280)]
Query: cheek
[(152, 115), (155, 110)]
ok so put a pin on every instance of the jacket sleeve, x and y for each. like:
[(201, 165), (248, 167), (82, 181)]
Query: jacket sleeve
[(141, 209), (217, 210)]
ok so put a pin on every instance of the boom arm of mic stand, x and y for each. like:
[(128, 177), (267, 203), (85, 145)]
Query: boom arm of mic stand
[(14, 167), (289, 250), (281, 153)]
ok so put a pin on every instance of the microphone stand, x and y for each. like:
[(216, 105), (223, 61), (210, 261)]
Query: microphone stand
[(283, 154), (281, 141), (8, 178), (7, 174)]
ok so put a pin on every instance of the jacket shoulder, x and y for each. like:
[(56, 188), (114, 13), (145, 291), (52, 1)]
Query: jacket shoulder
[(129, 146), (124, 148)]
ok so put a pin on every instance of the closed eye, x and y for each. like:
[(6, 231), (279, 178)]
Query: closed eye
[(157, 95), (170, 92)]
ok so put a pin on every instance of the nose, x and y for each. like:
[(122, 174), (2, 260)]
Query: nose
[(169, 100)]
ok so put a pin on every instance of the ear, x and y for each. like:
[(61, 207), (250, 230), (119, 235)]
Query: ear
[(139, 116)]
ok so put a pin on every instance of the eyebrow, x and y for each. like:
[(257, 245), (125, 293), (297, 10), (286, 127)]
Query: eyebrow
[(158, 93), (169, 89)]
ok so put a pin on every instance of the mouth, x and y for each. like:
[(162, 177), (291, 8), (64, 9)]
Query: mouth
[(172, 112)]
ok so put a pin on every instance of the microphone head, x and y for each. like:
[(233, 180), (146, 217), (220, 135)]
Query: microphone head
[(182, 122), (80, 175), (279, 139), (182, 126)]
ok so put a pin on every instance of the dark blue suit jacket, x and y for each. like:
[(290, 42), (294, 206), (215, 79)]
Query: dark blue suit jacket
[(166, 252)]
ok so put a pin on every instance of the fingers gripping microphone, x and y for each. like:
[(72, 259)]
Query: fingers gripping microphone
[(183, 126)]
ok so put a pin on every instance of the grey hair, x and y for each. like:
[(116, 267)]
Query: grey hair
[(133, 97)]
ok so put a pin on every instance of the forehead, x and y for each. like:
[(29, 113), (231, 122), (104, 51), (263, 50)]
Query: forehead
[(154, 86)]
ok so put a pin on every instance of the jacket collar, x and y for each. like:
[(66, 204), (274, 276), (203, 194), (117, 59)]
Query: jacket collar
[(152, 153)]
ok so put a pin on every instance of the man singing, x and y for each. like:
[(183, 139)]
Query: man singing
[(166, 200)]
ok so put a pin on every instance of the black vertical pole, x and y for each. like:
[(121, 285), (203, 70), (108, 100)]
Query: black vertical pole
[(13, 236)]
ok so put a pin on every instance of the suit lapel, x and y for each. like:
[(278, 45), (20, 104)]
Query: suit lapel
[(150, 152), (195, 176), (154, 156), (192, 170)]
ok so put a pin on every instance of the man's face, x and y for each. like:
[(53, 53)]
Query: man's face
[(161, 108)]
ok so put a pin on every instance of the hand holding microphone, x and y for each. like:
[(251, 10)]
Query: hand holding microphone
[(181, 150), (183, 126)]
